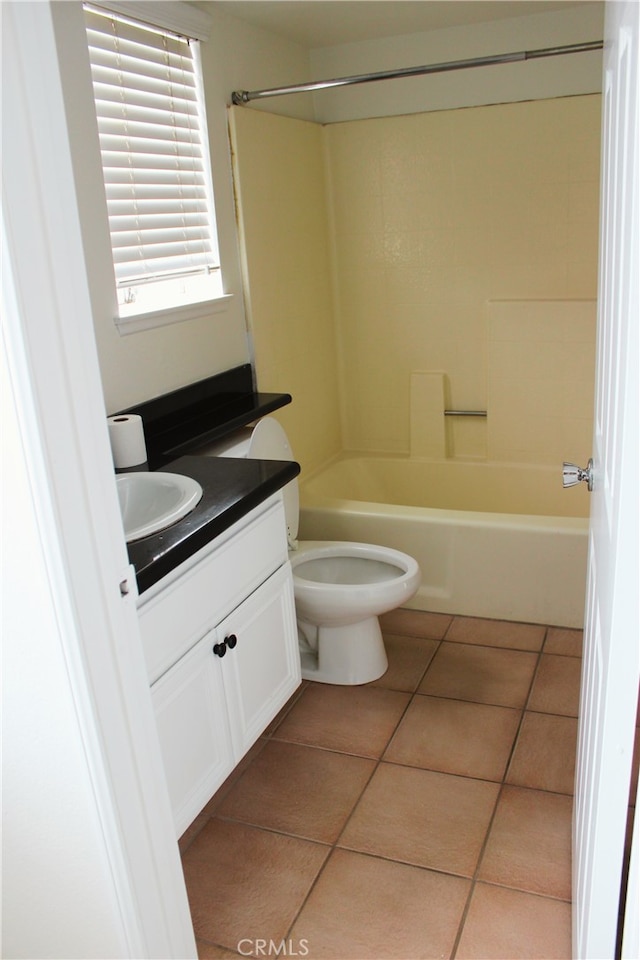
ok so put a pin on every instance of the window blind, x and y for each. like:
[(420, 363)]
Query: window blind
[(145, 86)]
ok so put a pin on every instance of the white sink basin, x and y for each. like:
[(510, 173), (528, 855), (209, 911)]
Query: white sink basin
[(150, 502)]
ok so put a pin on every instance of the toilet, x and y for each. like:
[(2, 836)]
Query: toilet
[(340, 588)]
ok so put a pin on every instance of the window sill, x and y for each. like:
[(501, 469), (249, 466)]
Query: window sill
[(162, 318)]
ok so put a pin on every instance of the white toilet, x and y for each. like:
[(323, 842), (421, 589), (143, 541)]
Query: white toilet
[(340, 588)]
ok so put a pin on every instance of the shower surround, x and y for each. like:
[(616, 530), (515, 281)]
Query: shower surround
[(378, 248)]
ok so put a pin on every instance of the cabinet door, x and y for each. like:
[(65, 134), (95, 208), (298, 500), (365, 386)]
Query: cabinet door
[(262, 669), (193, 729), (210, 585)]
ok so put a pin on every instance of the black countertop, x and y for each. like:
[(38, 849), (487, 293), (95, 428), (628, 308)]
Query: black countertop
[(232, 487)]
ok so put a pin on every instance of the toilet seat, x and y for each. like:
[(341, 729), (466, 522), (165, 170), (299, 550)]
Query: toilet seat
[(364, 579)]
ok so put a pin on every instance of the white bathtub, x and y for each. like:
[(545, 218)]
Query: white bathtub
[(492, 540)]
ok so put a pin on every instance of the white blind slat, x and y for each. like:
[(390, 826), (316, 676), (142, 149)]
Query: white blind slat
[(178, 237), (133, 160), (112, 82), (168, 178), (113, 144), (115, 127), (112, 110), (150, 193), (158, 209), (102, 61), (158, 221), (182, 106), (146, 96)]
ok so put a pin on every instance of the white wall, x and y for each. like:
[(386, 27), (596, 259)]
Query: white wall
[(146, 364), (550, 77), (58, 895), (241, 56)]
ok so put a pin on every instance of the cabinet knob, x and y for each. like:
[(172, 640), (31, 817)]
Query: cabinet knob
[(231, 641), (220, 649)]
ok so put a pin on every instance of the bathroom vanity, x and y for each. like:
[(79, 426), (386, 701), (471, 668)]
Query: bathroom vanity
[(217, 618), (221, 648)]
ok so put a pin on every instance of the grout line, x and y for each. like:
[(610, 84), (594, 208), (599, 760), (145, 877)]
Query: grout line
[(503, 784), (236, 775), (514, 745), (378, 761), (334, 845), (225, 788)]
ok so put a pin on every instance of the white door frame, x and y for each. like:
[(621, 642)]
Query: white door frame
[(71, 504)]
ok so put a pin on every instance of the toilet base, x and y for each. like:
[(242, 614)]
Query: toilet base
[(350, 655)]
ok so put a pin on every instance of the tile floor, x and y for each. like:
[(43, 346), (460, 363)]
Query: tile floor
[(427, 814)]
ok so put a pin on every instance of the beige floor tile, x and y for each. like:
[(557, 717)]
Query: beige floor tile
[(545, 753), (408, 658), (209, 951), (210, 808), (192, 831), (496, 633), (529, 845), (481, 674), (556, 688), (469, 739), (415, 623), (363, 908), (424, 818), (564, 641), (277, 720), (237, 772), (245, 882), (299, 790), (510, 924), (356, 720)]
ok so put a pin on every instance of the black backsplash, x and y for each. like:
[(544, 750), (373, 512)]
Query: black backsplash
[(178, 422)]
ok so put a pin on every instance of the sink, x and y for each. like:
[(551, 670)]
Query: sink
[(150, 502)]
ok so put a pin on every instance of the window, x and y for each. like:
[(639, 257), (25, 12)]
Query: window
[(155, 161)]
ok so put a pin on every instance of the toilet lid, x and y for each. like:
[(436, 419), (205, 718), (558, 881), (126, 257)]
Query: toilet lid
[(269, 442)]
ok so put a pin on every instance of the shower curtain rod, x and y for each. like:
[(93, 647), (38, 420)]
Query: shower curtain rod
[(245, 96)]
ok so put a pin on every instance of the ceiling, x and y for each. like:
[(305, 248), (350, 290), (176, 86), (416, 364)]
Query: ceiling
[(323, 23)]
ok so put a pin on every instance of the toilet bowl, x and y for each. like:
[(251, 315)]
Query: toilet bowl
[(340, 588)]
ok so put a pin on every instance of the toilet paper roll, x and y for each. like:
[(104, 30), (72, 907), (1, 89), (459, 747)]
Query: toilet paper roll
[(126, 433)]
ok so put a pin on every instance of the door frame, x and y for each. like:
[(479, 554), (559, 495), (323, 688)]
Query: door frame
[(54, 382)]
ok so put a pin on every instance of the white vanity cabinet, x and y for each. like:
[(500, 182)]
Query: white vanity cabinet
[(220, 641)]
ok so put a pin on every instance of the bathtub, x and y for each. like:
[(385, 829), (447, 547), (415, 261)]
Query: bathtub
[(492, 540)]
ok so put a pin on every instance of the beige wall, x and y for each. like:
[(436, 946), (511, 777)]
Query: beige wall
[(435, 219), (540, 380), (434, 216), (282, 199)]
